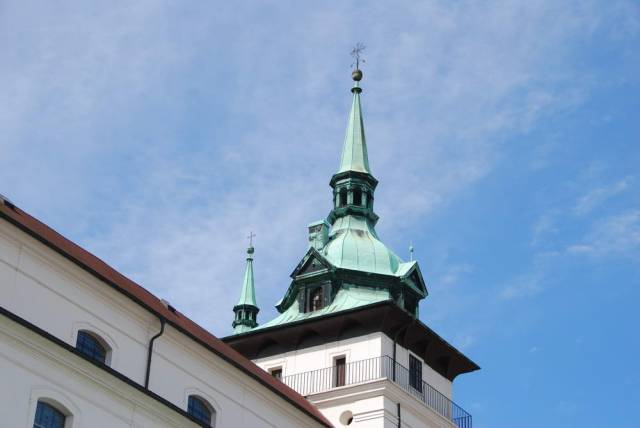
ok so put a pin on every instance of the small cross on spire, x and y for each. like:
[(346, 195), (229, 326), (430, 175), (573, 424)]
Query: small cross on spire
[(250, 238), (356, 53)]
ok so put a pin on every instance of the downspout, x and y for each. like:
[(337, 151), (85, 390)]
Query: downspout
[(399, 417), (395, 343), (150, 352)]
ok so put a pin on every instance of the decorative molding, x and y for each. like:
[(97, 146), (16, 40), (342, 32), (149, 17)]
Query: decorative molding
[(81, 365), (217, 409), (112, 346)]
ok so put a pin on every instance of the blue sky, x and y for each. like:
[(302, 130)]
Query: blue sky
[(505, 136)]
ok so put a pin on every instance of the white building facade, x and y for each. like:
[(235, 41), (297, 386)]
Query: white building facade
[(75, 339)]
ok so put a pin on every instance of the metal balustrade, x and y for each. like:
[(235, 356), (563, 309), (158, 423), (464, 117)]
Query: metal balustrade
[(325, 379)]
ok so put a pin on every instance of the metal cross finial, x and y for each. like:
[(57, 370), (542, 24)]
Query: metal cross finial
[(356, 52), (250, 237)]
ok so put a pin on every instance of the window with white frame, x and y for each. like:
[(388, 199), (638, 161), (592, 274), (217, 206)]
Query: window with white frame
[(93, 346), (276, 372), (201, 411)]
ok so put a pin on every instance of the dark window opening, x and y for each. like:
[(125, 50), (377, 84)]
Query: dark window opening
[(340, 371), (357, 197), (277, 373), (200, 410), (411, 304), (343, 197), (316, 299), (415, 373), (48, 416), (315, 229), (91, 347)]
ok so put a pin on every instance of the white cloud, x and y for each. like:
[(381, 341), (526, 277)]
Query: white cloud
[(159, 135), (616, 235), (453, 274), (543, 226), (598, 195), (524, 286)]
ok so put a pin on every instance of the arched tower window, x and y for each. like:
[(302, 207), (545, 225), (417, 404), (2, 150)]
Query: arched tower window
[(47, 416), (92, 347), (316, 300), (202, 411)]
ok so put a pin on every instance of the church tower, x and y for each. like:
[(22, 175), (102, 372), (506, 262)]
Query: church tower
[(348, 334)]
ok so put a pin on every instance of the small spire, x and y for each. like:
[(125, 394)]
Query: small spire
[(411, 252), (246, 310), (248, 294), (354, 151)]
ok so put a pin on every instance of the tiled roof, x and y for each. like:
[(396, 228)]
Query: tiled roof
[(153, 304)]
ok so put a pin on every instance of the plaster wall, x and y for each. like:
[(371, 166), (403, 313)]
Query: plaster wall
[(322, 356), (354, 349), (51, 292), (375, 405), (32, 369), (365, 412), (429, 375)]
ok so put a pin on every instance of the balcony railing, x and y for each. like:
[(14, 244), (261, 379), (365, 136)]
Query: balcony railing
[(325, 379)]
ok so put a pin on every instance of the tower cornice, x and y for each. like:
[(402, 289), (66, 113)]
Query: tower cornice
[(346, 175)]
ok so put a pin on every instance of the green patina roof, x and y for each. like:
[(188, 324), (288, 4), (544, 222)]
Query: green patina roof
[(248, 294), (242, 328), (354, 244), (367, 270), (350, 296), (354, 152)]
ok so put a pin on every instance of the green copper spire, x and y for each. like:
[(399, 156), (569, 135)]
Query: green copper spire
[(353, 185), (246, 310), (354, 151), (347, 265), (248, 295)]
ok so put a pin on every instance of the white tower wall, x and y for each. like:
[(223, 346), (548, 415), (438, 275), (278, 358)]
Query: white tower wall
[(372, 403)]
